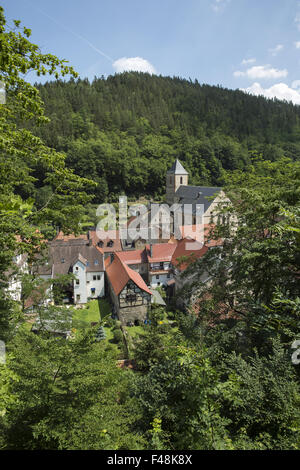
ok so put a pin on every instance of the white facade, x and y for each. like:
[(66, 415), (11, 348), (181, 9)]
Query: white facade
[(87, 284), (79, 284), (160, 279), (95, 284), (14, 288)]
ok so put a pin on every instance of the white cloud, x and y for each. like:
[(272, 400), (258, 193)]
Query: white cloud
[(296, 84), (297, 44), (280, 91), (274, 51), (219, 5), (137, 64), (262, 72), (248, 61)]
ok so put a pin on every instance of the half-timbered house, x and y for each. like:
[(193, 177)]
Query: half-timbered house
[(130, 296)]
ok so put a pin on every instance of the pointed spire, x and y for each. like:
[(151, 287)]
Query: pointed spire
[(177, 169)]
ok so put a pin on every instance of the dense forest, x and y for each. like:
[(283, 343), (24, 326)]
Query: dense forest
[(125, 131)]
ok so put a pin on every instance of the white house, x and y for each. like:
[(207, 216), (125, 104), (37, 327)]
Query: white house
[(78, 257)]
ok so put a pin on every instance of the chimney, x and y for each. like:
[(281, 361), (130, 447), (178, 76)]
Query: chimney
[(90, 241)]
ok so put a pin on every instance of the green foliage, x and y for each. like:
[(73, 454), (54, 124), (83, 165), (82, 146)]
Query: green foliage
[(117, 336), (70, 395), (185, 391), (23, 155), (100, 334), (125, 131), (266, 405)]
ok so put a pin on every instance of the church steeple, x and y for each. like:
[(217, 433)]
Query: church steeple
[(176, 176)]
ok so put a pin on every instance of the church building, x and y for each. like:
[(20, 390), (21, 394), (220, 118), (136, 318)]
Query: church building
[(178, 191)]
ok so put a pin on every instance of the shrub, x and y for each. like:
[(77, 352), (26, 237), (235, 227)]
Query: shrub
[(110, 322), (118, 325), (118, 336)]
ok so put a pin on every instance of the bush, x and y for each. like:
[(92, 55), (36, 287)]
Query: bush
[(118, 336), (110, 322), (118, 325)]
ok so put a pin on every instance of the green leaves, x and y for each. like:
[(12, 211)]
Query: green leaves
[(23, 154)]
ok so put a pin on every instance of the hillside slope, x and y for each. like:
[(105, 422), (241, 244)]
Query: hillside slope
[(124, 131)]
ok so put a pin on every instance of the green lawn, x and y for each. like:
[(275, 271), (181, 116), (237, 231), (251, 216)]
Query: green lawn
[(94, 310), (135, 331)]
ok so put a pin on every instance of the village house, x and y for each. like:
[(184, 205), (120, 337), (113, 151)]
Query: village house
[(14, 276), (79, 257), (129, 271), (130, 295)]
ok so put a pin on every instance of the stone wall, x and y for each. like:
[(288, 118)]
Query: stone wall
[(131, 314)]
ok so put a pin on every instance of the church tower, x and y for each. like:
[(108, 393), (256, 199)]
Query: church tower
[(176, 176)]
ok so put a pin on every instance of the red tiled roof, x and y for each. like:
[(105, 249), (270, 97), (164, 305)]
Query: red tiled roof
[(119, 274), (107, 262), (133, 257), (110, 236), (161, 252), (188, 248)]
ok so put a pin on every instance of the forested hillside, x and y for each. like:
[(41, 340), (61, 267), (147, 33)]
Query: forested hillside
[(124, 131)]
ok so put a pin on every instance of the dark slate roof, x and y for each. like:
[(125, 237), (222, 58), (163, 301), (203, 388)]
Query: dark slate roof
[(62, 255), (196, 195), (54, 325), (177, 169)]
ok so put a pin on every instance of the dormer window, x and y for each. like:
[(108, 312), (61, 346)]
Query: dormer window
[(181, 180), (62, 260), (100, 243), (110, 243), (96, 262)]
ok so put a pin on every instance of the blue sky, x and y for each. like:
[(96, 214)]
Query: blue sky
[(249, 44)]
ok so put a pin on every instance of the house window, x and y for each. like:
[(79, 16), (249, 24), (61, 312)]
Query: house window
[(130, 298), (93, 290), (77, 282), (63, 260), (78, 297), (181, 180), (98, 277), (94, 278), (76, 268), (158, 283), (161, 265), (157, 277), (96, 262), (168, 275)]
